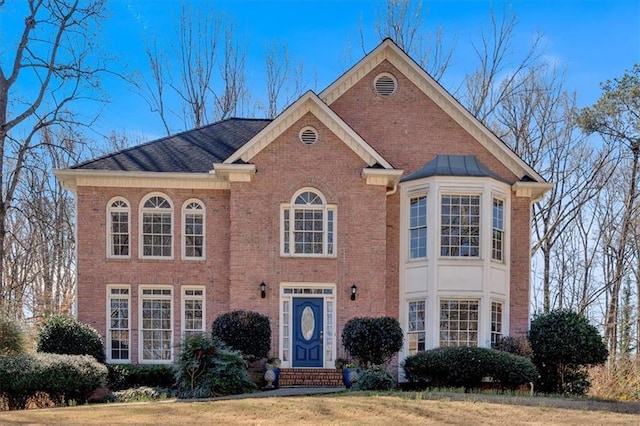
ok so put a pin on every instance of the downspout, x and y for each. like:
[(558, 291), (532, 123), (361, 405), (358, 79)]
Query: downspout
[(394, 190)]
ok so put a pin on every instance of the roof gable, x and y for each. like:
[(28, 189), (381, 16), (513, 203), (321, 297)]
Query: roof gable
[(390, 52), (309, 102)]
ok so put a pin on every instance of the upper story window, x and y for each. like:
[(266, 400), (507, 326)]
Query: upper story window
[(118, 228), (460, 226), (497, 238), (418, 227), (308, 226), (193, 234), (157, 227)]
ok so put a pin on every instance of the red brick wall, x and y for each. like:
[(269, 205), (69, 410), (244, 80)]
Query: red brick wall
[(520, 265), (284, 167), (95, 271)]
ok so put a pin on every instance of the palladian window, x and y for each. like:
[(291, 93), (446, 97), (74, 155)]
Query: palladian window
[(308, 226)]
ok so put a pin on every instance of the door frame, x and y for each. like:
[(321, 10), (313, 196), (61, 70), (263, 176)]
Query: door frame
[(324, 291)]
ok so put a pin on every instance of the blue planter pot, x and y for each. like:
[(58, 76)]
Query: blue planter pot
[(350, 376)]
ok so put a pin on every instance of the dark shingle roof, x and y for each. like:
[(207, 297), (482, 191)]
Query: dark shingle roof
[(452, 165), (193, 151)]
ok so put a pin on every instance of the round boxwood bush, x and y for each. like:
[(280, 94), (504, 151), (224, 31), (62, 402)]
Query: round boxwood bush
[(563, 343), (245, 331), (127, 376), (372, 341), (64, 378), (206, 368), (60, 334), (376, 378), (467, 367), (12, 336)]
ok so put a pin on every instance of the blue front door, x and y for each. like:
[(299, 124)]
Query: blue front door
[(307, 332)]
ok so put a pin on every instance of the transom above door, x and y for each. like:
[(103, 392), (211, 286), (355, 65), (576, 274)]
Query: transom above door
[(307, 325)]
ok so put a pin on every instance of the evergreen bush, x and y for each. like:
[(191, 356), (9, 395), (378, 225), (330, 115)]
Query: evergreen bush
[(517, 345), (206, 368), (245, 331), (12, 336), (467, 367), (64, 378), (129, 376), (376, 378), (564, 344), (372, 341), (61, 334)]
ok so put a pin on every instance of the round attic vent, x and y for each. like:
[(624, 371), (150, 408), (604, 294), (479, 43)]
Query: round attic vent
[(308, 135), (385, 84)]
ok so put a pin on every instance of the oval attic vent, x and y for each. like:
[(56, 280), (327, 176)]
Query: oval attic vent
[(385, 85), (308, 135)]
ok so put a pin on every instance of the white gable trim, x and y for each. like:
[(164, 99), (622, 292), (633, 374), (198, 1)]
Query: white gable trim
[(389, 51), (309, 102), (71, 179)]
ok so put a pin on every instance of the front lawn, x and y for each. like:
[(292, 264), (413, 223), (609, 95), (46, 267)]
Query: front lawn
[(349, 408)]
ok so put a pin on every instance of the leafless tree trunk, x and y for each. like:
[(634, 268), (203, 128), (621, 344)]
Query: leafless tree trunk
[(403, 22), (55, 50)]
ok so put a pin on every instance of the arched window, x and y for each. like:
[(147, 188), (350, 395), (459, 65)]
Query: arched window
[(157, 227), (308, 225), (193, 233), (118, 228)]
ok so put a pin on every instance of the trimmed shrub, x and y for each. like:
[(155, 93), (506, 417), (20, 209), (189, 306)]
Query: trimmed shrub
[(206, 368), (129, 376), (62, 334), (64, 378), (372, 341), (466, 367), (12, 337), (245, 331), (376, 379), (563, 344)]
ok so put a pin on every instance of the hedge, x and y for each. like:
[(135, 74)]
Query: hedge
[(466, 367)]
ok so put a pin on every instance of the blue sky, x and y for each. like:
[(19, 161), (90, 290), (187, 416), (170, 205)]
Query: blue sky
[(594, 40)]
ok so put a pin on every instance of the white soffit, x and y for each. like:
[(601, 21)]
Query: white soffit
[(309, 102), (389, 51)]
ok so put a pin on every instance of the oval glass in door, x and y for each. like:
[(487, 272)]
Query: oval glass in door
[(307, 323)]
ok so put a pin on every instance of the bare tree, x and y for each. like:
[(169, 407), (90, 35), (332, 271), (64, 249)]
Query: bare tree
[(403, 22), (53, 58), (616, 117), (284, 82), (201, 78)]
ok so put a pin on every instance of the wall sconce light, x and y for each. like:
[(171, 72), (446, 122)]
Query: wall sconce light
[(263, 288), (354, 289)]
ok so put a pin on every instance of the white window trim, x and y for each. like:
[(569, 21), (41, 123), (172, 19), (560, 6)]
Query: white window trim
[(108, 324), (326, 291), (426, 323), (506, 208), (291, 207), (141, 225), (204, 229), (479, 320), (141, 298), (426, 226), (109, 241), (481, 221), (184, 298)]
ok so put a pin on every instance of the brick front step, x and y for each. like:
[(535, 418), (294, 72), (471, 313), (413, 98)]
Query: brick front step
[(310, 377)]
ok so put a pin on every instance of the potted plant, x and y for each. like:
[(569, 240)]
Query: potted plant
[(350, 374), (272, 372)]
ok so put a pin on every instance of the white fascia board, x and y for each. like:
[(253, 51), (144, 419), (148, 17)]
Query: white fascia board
[(309, 102), (234, 172), (385, 177), (533, 190), (71, 179), (388, 50)]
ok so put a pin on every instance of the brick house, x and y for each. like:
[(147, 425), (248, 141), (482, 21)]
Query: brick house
[(381, 195)]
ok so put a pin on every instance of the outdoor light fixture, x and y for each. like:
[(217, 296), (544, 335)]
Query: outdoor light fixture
[(263, 287), (354, 289)]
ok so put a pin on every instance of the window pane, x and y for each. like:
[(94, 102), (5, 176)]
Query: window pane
[(457, 318), (418, 227), (460, 225)]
